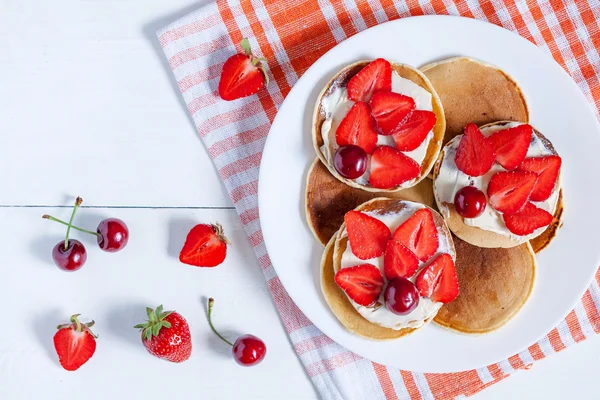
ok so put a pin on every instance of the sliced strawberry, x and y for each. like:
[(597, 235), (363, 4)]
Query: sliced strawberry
[(74, 343), (414, 130), (399, 261), (438, 280), (390, 110), (419, 234), (547, 169), (368, 236), (475, 154), (205, 246), (509, 191), (242, 75), (511, 145), (362, 283), (375, 76), (358, 128), (527, 220), (390, 168)]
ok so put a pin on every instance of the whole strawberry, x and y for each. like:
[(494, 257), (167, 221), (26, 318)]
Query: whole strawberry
[(75, 343), (166, 335), (242, 75), (205, 246)]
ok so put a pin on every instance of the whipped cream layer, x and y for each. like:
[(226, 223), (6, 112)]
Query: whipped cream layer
[(380, 314), (450, 180), (337, 104)]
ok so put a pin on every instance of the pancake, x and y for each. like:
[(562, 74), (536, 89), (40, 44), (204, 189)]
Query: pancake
[(472, 91), (405, 71), (328, 200), (494, 285), (488, 239)]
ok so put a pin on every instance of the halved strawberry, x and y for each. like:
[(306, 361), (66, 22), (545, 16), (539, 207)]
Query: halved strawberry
[(398, 261), (75, 343), (362, 283), (547, 169), (368, 236), (419, 234), (390, 168), (527, 220), (509, 191), (409, 135), (358, 128), (375, 76), (511, 145), (438, 280), (390, 110), (475, 154), (205, 246), (243, 74)]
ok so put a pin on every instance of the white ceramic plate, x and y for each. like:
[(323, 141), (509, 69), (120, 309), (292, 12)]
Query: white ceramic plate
[(558, 109)]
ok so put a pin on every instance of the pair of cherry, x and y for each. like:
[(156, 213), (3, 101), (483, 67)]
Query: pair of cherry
[(69, 255)]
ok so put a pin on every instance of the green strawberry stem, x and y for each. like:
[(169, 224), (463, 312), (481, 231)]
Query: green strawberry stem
[(156, 321), (79, 327), (211, 303), (51, 218)]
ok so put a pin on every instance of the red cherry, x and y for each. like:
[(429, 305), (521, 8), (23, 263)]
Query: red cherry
[(113, 234), (470, 202), (401, 296), (350, 161), (248, 350), (70, 259)]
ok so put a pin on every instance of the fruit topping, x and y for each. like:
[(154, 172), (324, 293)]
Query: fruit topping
[(470, 202), (358, 128), (75, 343), (509, 191), (350, 161), (375, 76), (362, 283), (368, 236), (401, 296), (398, 261), (419, 234), (475, 154), (409, 135), (247, 350), (511, 145), (528, 220), (438, 280), (166, 335), (390, 110), (205, 246), (547, 170), (243, 74), (390, 168)]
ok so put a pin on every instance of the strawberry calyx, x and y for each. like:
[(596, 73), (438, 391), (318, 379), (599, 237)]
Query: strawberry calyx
[(78, 326), (156, 321), (256, 61), (218, 228)]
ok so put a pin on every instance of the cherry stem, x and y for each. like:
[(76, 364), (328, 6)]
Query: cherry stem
[(78, 202), (51, 218), (211, 302)]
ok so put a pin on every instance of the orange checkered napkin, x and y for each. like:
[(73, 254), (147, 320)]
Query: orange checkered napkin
[(292, 34)]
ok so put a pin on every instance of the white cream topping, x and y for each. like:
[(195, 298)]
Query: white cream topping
[(450, 180), (337, 104), (381, 315)]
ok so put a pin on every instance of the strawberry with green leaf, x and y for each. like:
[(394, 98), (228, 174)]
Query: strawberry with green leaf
[(243, 74)]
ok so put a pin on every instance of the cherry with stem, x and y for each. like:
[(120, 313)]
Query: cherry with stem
[(70, 255)]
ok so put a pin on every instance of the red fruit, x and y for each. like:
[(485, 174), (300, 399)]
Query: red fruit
[(358, 128), (75, 343), (368, 236), (527, 220), (166, 335), (509, 191), (375, 76), (350, 161), (242, 75), (390, 110), (511, 145), (248, 350), (547, 170), (205, 246), (419, 234), (390, 168), (438, 280), (70, 259), (414, 130), (470, 202), (362, 283), (401, 296), (113, 235), (398, 261), (475, 154)]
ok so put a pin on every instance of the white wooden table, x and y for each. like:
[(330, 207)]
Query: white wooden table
[(88, 107)]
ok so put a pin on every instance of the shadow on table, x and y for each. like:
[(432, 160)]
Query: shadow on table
[(121, 320), (178, 230), (44, 327)]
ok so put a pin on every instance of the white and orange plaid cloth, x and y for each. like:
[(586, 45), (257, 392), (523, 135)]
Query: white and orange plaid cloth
[(292, 34)]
